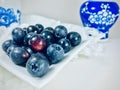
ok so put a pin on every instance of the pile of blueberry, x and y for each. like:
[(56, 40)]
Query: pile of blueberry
[(36, 47)]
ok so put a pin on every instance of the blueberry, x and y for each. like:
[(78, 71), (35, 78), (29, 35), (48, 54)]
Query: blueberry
[(48, 36), (37, 43), (10, 49), (28, 37), (32, 28), (65, 43), (6, 44), (19, 55), (40, 28), (50, 29), (25, 29), (74, 38), (60, 32), (37, 65), (29, 50), (55, 53), (18, 35)]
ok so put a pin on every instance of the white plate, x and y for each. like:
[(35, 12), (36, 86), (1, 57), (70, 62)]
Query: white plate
[(22, 72)]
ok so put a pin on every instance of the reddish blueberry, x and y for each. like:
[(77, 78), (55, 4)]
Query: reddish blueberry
[(37, 43)]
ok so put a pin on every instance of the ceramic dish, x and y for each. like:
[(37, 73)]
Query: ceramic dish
[(22, 73)]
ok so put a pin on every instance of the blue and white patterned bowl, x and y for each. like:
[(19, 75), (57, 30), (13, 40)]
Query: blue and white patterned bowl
[(100, 15)]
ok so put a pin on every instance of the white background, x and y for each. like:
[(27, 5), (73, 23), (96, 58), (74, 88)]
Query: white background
[(64, 10), (88, 73)]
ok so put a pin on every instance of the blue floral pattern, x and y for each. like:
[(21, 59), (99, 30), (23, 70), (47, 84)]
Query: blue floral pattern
[(8, 16)]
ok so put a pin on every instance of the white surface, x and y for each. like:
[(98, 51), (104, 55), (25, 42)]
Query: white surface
[(54, 69)]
